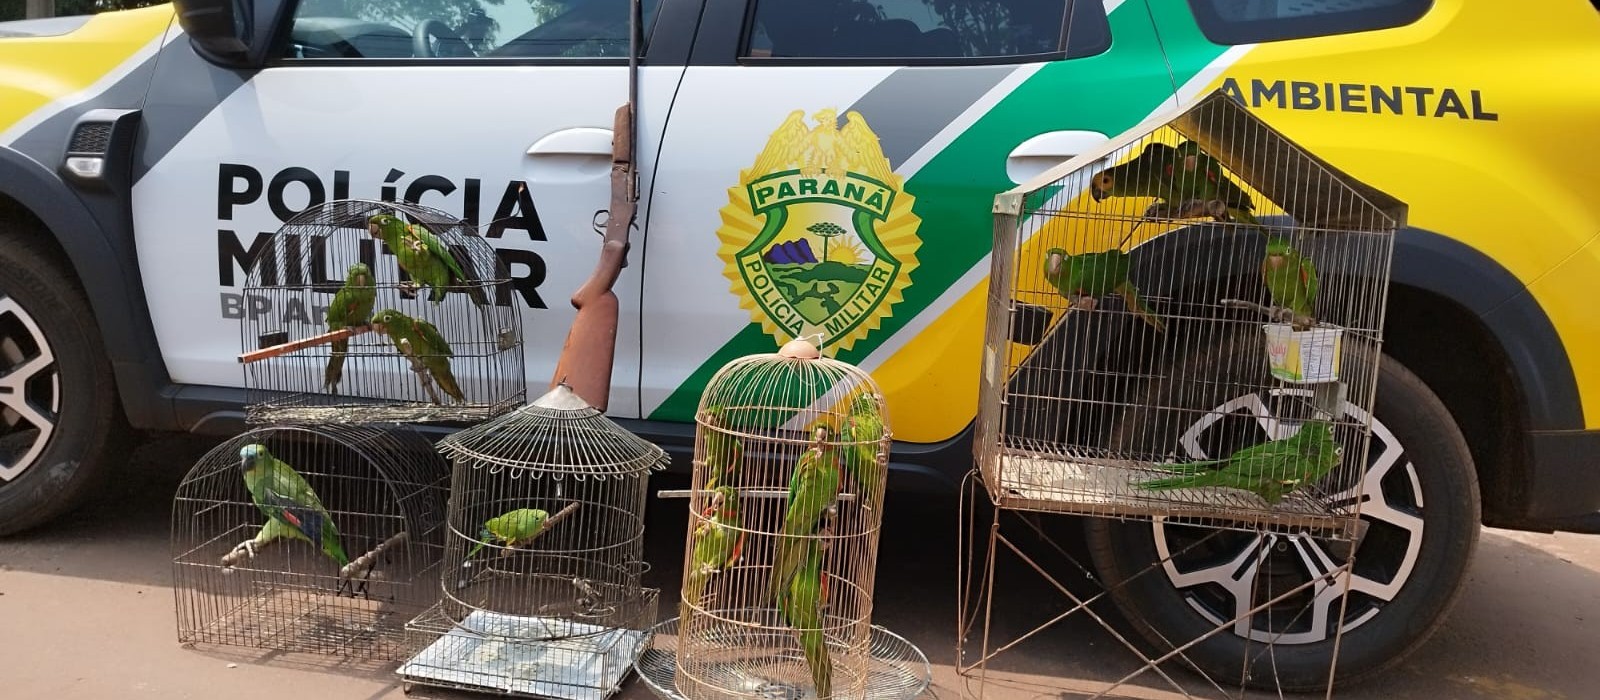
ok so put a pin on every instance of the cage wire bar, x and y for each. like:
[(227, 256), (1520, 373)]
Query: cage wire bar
[(1184, 324), (785, 505), (436, 338), (1132, 335), (242, 579), (541, 589)]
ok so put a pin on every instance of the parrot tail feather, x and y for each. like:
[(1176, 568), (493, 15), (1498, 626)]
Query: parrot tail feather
[(1130, 295), (1190, 468), (1176, 482), (335, 370), (816, 650)]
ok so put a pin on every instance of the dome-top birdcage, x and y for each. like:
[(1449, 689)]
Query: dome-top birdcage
[(370, 311), (319, 539), (786, 503), (544, 553)]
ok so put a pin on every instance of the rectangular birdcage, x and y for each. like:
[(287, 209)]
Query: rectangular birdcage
[(302, 286), (1198, 287)]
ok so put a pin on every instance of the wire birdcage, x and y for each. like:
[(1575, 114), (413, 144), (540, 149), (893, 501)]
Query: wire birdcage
[(319, 539), (1187, 323), (434, 332), (785, 509), (541, 588)]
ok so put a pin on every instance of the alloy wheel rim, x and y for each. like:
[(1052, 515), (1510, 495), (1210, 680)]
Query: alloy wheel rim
[(1221, 578)]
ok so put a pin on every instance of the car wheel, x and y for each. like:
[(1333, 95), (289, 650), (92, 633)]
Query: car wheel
[(58, 412), (1420, 502)]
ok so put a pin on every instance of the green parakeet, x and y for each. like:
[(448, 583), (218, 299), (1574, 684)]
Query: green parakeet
[(1084, 278), (863, 426), (724, 452), (291, 507), (352, 305), (1148, 174), (801, 603), (416, 337), (1291, 279), (423, 256), (813, 488), (512, 528), (1199, 178), (1269, 470), (718, 543)]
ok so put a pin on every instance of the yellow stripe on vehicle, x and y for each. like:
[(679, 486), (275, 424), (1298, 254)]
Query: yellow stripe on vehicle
[(36, 72), (1504, 183)]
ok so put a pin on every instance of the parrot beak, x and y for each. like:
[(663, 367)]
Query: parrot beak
[(1052, 264), (372, 230)]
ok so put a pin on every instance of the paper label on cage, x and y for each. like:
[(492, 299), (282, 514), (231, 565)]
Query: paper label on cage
[(1310, 356), (818, 234)]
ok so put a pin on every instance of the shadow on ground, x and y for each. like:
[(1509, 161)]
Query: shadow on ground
[(1525, 627)]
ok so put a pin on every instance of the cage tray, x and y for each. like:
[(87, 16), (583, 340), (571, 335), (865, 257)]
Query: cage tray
[(316, 410), (1108, 487), (589, 665), (898, 670)]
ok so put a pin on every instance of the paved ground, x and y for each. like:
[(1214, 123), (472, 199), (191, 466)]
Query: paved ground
[(86, 611)]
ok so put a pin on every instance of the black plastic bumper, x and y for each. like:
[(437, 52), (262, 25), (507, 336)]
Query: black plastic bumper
[(1564, 479)]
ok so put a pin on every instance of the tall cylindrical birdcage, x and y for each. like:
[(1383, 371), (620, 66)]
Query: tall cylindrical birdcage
[(785, 508), (540, 592), (434, 332), (318, 539)]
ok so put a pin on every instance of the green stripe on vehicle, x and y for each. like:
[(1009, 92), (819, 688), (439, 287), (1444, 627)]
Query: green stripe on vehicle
[(954, 190)]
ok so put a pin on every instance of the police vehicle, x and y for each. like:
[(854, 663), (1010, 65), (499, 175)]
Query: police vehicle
[(146, 155)]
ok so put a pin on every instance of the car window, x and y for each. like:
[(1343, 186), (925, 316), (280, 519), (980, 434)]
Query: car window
[(926, 29), (1252, 21), (463, 28)]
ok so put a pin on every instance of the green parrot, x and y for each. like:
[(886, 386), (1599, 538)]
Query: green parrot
[(1291, 279), (1199, 179), (1084, 278), (718, 543), (291, 506), (724, 452), (1148, 174), (863, 426), (801, 604), (813, 487), (512, 528), (1269, 470), (415, 337), (423, 257), (352, 305)]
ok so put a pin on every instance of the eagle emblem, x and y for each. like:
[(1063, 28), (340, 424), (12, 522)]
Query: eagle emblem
[(818, 237)]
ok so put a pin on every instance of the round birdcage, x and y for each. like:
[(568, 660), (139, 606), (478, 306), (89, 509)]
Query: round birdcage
[(309, 539), (366, 311), (544, 553), (786, 504)]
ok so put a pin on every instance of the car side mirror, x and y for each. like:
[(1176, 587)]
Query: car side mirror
[(234, 33)]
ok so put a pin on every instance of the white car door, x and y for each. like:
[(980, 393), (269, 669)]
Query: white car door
[(924, 110), (498, 112)]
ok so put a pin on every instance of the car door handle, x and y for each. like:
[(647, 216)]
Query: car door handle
[(1048, 149), (571, 155)]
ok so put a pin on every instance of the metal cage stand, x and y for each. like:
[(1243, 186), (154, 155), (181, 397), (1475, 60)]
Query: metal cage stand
[(976, 598)]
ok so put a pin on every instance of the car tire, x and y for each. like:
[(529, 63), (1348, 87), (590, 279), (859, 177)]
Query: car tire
[(47, 331), (1421, 579)]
